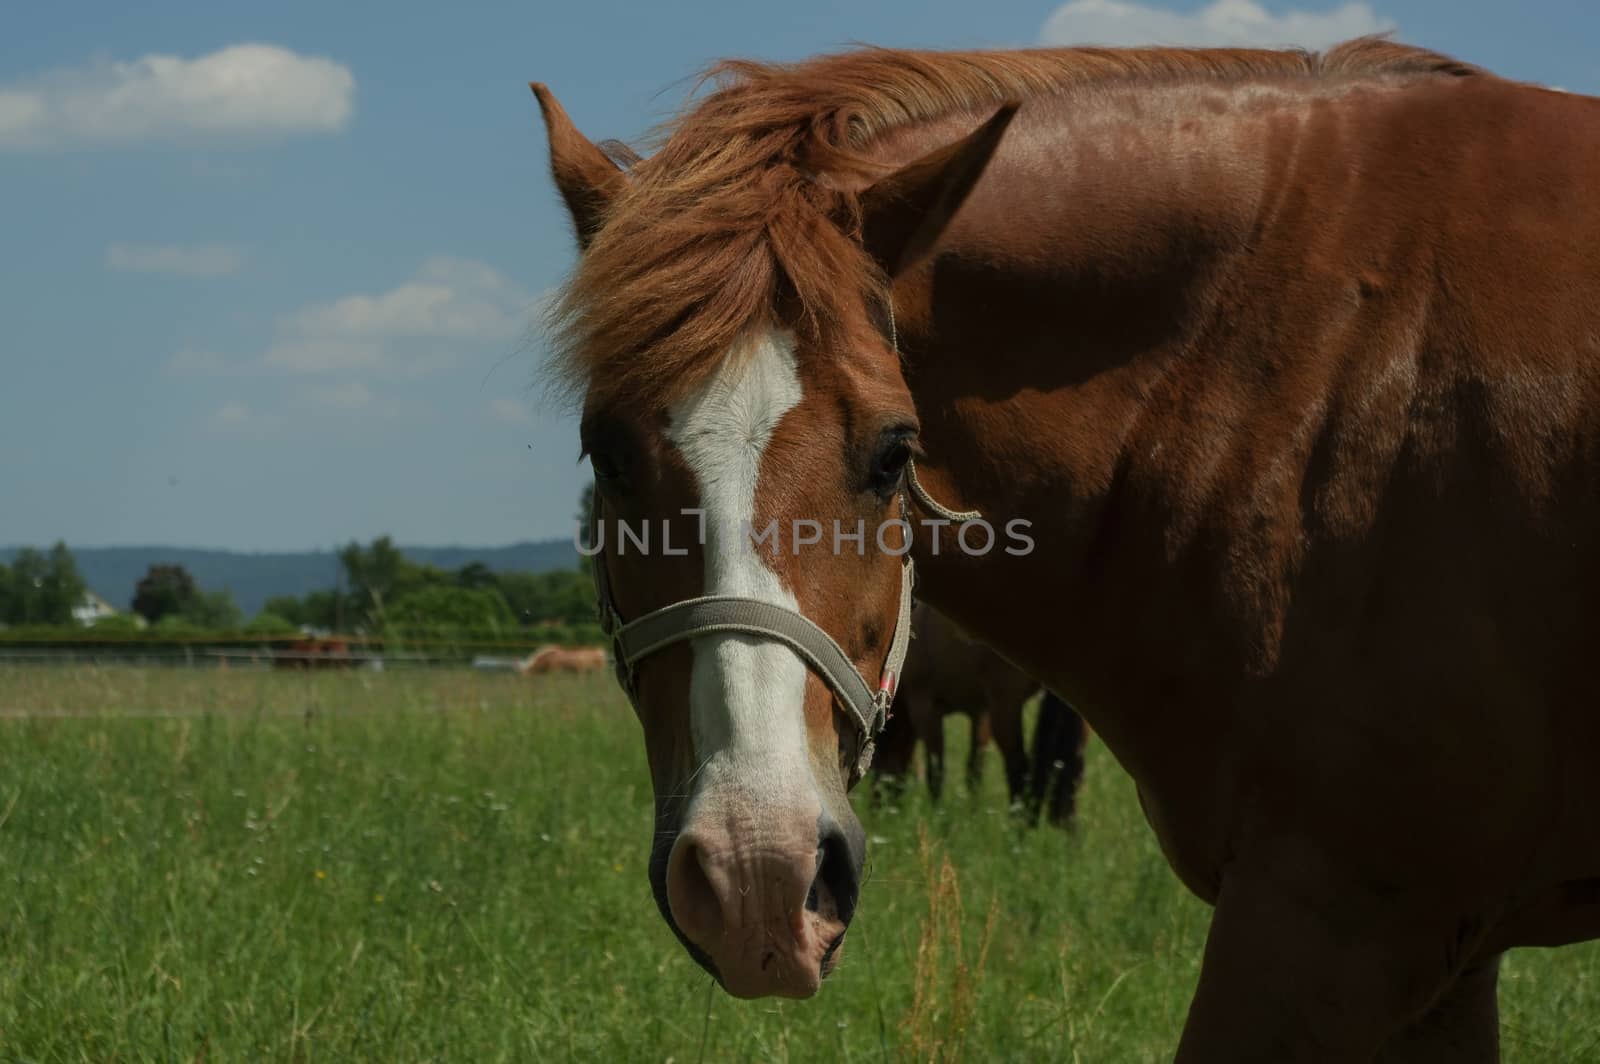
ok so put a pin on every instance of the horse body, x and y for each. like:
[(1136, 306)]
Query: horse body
[(1292, 363), (563, 659), (1347, 490), (1329, 527), (314, 653)]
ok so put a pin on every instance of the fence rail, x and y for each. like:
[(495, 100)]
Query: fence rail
[(494, 650)]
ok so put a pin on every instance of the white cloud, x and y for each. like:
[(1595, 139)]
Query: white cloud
[(510, 412), (241, 90), (452, 309), (455, 298), (19, 112), (202, 260), (1220, 23), (320, 354), (420, 324)]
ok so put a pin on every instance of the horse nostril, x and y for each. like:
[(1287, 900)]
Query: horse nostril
[(694, 900), (836, 874)]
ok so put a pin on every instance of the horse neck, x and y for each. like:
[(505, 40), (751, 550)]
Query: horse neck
[(1086, 279)]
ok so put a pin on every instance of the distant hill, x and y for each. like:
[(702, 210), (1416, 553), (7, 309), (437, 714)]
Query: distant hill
[(112, 572)]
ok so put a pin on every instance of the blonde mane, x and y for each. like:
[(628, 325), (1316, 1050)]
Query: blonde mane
[(741, 201)]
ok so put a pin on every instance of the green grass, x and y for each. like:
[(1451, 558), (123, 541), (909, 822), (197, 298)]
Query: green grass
[(445, 865)]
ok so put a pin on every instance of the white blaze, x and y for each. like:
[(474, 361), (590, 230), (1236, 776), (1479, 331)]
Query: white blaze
[(746, 695)]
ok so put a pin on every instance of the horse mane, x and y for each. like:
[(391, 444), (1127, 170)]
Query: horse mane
[(743, 201)]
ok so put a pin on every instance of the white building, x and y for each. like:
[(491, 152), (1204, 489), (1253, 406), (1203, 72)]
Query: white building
[(92, 608)]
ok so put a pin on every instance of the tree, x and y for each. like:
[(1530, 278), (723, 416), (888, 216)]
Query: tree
[(323, 609), (64, 587), (215, 611), (380, 575), (287, 607), (475, 575), (40, 588), (28, 571), (269, 623), (458, 608), (319, 609), (373, 573), (165, 591), (559, 595)]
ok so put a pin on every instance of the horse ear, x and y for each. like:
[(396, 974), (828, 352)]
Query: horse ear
[(587, 178), (903, 215)]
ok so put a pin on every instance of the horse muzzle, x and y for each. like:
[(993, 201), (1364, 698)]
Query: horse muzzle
[(766, 918)]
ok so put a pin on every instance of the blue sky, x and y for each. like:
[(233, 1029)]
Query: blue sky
[(272, 288)]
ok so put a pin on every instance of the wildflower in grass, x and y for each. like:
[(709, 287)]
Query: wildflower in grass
[(321, 874), (377, 899)]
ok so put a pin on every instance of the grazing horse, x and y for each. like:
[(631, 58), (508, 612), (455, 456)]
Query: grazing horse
[(1281, 370), (314, 652), (947, 672), (563, 659)]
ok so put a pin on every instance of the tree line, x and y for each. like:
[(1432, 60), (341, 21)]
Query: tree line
[(40, 587), (384, 591), (379, 592)]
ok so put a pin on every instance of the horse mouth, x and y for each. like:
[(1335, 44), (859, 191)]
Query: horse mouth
[(830, 956)]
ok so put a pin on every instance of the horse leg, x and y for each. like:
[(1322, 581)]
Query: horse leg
[(1058, 743), (1006, 723), (1300, 970), (1463, 1025), (930, 727), (980, 739), (1045, 758)]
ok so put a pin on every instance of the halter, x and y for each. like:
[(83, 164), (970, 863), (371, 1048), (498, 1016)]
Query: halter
[(868, 708)]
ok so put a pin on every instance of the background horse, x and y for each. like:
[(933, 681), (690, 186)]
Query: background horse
[(948, 672), (563, 659), (314, 652)]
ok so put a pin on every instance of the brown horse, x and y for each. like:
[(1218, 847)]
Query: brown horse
[(563, 659), (314, 652), (948, 672), (1292, 364)]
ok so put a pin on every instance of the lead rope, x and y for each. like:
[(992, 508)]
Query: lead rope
[(918, 492)]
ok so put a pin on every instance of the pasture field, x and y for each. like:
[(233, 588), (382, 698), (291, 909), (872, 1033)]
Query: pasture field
[(442, 865)]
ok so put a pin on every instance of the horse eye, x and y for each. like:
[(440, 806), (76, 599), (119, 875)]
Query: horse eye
[(610, 446), (889, 463), (605, 466)]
